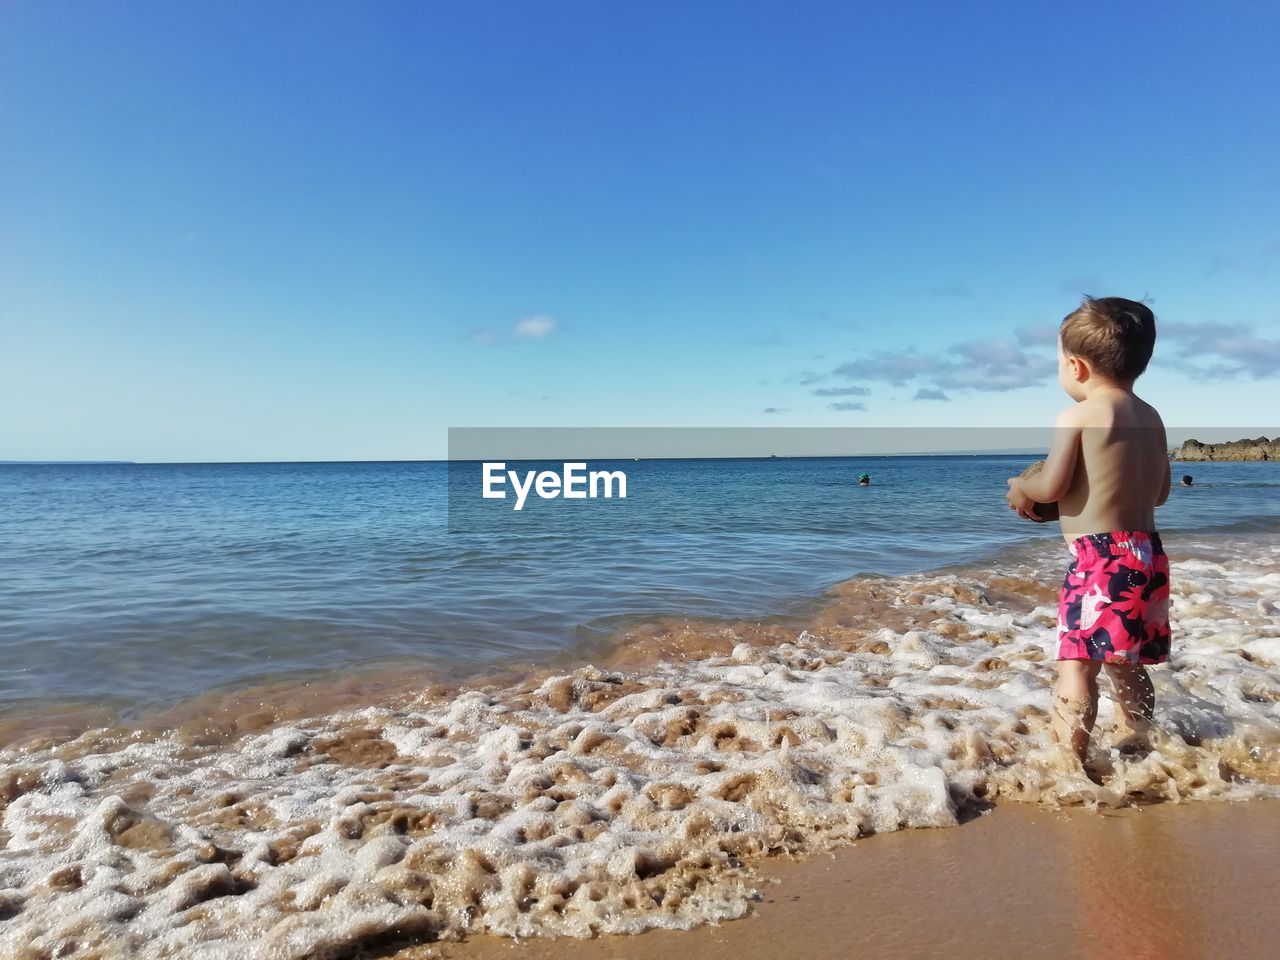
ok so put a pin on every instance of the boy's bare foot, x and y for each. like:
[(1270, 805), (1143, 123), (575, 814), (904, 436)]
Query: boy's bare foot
[(1133, 736), (1136, 699), (1072, 722), (1095, 774), (1095, 769)]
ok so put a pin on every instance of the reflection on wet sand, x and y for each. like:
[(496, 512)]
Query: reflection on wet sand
[(1152, 883)]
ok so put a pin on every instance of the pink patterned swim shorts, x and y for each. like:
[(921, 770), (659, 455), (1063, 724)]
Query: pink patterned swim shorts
[(1114, 605)]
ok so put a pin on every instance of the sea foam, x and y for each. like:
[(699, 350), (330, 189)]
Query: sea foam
[(620, 798)]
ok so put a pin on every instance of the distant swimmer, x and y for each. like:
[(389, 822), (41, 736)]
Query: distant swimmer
[(1186, 479), (864, 480)]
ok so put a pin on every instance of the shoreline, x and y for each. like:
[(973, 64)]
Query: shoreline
[(1019, 881), (647, 792), (244, 704), (636, 641)]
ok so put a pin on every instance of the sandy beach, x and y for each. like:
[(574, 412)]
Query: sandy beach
[(660, 792), (634, 481), (1166, 881)]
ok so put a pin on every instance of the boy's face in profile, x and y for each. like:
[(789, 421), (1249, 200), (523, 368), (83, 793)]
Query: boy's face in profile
[(1068, 374)]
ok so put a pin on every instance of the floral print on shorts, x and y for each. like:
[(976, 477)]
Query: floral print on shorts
[(1114, 605)]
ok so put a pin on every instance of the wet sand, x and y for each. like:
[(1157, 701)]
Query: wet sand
[(652, 794), (1165, 882)]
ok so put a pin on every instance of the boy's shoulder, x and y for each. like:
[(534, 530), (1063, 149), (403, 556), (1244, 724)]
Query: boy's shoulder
[(1107, 412), (1075, 416), (1150, 411)]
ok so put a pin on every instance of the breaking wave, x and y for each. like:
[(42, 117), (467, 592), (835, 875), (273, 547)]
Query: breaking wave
[(631, 794)]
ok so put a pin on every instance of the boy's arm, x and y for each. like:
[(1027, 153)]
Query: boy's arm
[(1168, 470), (1054, 480)]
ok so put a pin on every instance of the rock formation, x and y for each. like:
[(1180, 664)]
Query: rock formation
[(1259, 448)]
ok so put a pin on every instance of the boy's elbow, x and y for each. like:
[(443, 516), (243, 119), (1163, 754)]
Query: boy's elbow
[(1054, 486), (1056, 492)]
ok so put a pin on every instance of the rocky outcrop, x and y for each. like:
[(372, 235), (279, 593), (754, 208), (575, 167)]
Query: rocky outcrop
[(1259, 448)]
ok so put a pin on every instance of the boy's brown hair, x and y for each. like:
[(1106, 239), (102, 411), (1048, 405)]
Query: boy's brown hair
[(1115, 335)]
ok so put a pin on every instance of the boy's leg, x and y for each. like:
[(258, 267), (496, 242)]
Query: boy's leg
[(1135, 694), (1075, 704)]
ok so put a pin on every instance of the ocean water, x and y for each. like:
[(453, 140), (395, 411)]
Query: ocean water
[(136, 586), (798, 663)]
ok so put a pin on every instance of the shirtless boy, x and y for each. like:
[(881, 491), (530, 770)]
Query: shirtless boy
[(1108, 469)]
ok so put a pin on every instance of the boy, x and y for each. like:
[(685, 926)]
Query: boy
[(1108, 469)]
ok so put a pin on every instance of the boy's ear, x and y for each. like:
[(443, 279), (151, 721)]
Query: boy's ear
[(1079, 369)]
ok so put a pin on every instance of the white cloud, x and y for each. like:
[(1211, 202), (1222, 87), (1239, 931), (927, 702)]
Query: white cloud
[(928, 393), (1258, 262), (842, 392), (1219, 351), (805, 378), (987, 365), (1038, 335), (536, 327)]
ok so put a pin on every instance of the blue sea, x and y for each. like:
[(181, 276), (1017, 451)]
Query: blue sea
[(315, 710), (132, 587)]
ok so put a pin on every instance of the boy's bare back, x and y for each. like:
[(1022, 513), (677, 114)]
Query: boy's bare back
[(1121, 468)]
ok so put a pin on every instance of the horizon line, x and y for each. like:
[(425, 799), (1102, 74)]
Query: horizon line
[(1011, 452)]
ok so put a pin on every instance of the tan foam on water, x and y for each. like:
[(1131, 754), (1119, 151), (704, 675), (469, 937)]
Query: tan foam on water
[(52, 723), (622, 798), (221, 716)]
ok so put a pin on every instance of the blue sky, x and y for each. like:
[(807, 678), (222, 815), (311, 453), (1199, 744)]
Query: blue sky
[(332, 231)]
